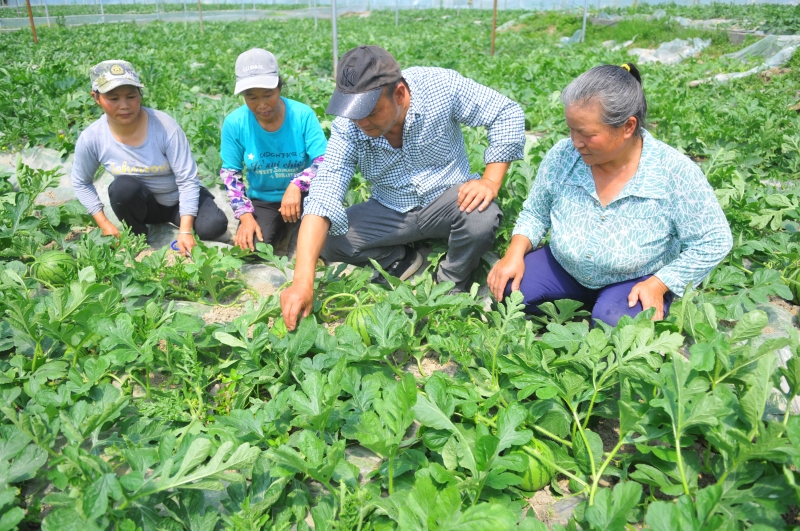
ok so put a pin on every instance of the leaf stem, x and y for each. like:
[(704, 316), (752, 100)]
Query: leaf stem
[(596, 479)]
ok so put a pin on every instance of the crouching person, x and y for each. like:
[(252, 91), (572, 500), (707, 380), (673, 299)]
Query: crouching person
[(402, 130)]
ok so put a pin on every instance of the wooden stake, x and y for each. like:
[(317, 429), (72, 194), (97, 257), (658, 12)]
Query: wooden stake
[(494, 26), (200, 15), (33, 26)]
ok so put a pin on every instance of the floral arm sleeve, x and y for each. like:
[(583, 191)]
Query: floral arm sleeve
[(303, 179), (235, 186)]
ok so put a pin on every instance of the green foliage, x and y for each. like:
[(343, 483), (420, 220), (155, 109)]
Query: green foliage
[(121, 410)]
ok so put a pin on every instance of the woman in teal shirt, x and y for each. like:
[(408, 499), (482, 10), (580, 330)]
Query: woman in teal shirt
[(280, 143), (632, 221)]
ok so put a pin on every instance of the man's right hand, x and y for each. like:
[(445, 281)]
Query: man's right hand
[(109, 229), (297, 301), (247, 232)]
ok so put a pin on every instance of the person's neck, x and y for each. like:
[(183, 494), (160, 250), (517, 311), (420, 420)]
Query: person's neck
[(628, 155), (134, 133)]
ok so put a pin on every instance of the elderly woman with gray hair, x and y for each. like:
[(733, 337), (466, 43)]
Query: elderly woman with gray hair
[(632, 221)]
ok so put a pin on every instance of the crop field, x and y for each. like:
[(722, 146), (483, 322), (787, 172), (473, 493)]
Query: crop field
[(122, 410)]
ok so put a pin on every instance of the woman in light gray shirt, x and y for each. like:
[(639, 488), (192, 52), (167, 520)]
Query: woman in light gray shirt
[(155, 176)]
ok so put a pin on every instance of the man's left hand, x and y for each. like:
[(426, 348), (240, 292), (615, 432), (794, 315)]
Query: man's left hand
[(476, 194), (650, 293)]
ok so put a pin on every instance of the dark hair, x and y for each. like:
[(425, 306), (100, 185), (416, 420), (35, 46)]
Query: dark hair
[(388, 90), (618, 89), (280, 82)]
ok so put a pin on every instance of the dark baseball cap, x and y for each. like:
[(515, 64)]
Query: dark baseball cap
[(361, 75)]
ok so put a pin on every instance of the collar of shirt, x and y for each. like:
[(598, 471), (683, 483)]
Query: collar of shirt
[(648, 181)]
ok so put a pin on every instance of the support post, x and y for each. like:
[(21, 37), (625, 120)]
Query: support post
[(46, 13), (102, 12), (585, 13), (396, 13), (494, 26), (30, 17), (158, 15), (315, 14), (200, 15), (335, 37)]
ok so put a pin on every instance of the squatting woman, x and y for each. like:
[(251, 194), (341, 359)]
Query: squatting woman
[(632, 221), (272, 142), (155, 175)]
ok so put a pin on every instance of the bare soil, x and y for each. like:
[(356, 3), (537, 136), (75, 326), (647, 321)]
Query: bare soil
[(430, 364), (219, 314)]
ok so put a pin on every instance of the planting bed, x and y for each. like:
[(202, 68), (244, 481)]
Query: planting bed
[(158, 393)]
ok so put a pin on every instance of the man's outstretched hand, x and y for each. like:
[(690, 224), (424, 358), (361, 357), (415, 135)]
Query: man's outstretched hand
[(296, 303)]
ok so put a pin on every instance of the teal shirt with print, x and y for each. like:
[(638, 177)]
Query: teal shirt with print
[(666, 221), (271, 159)]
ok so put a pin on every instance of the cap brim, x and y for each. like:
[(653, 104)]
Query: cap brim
[(265, 82), (353, 106), (111, 85)]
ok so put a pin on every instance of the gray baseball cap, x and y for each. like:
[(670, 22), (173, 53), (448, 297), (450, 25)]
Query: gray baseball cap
[(256, 68), (109, 75), (361, 75)]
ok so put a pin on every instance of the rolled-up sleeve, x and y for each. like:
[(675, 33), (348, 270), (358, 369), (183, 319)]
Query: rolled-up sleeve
[(327, 190), (476, 105), (702, 229), (83, 170), (534, 219)]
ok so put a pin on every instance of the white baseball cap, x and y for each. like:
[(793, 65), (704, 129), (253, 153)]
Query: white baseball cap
[(256, 68)]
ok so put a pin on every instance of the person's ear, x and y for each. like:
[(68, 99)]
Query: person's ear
[(629, 127), (96, 97), (400, 93)]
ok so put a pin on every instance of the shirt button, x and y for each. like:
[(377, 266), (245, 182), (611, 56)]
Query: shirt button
[(588, 256), (603, 218)]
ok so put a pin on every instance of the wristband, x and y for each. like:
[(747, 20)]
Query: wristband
[(189, 233)]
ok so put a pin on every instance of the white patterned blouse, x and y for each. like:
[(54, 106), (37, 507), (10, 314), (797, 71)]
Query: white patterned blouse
[(666, 220)]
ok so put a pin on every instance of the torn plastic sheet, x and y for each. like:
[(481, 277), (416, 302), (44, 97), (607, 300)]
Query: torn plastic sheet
[(616, 47), (576, 38), (672, 52), (775, 50)]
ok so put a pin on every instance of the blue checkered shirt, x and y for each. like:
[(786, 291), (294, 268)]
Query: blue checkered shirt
[(433, 157)]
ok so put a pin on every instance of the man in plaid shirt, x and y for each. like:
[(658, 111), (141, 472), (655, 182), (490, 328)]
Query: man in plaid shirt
[(403, 132)]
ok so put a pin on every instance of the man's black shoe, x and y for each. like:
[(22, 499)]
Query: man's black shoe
[(403, 268)]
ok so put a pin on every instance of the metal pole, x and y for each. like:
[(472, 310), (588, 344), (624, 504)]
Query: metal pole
[(200, 15), (315, 14), (30, 17), (335, 37), (46, 13), (102, 12), (242, 7), (585, 13), (158, 15), (184, 9), (494, 26), (396, 13)]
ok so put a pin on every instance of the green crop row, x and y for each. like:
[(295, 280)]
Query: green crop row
[(123, 410)]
